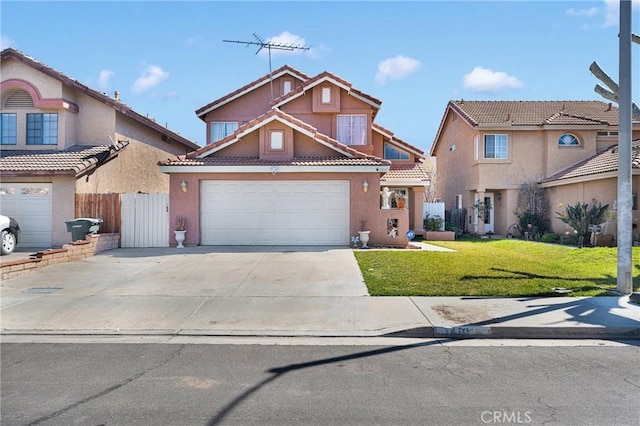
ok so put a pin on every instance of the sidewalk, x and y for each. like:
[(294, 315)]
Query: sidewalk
[(258, 292)]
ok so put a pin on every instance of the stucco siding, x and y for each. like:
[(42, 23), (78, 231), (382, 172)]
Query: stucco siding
[(48, 87)]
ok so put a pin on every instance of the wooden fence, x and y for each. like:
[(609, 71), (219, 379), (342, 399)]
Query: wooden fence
[(100, 206)]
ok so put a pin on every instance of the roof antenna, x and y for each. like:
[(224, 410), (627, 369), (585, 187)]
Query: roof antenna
[(264, 44)]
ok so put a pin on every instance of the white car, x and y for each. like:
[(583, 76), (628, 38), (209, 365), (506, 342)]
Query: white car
[(10, 234)]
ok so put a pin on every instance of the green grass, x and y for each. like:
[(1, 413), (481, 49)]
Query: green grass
[(503, 268)]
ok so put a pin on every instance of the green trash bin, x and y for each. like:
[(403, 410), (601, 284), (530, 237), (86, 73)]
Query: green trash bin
[(83, 226)]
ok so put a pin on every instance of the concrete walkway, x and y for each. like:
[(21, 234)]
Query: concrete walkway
[(268, 291)]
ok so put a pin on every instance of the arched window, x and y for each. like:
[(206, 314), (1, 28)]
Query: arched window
[(568, 139)]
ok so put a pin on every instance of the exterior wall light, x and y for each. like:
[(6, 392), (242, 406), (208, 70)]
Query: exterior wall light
[(183, 185), (365, 186), (499, 196)]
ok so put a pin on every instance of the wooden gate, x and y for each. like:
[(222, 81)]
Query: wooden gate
[(100, 206), (145, 220)]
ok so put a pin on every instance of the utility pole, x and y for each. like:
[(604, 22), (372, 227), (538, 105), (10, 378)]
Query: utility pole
[(625, 197), (265, 44)]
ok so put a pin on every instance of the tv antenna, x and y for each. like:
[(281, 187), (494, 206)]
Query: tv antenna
[(268, 45)]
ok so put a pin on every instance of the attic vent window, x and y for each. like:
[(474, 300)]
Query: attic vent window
[(568, 140), (287, 86), (326, 95), (19, 99)]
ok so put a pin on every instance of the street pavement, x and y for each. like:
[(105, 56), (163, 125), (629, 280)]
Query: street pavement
[(276, 291)]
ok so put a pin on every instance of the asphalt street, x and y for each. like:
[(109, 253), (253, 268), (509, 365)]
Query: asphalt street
[(418, 382)]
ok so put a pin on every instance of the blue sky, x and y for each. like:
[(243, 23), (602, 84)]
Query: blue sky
[(168, 59)]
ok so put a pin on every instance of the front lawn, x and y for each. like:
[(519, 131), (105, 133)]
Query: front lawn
[(504, 268)]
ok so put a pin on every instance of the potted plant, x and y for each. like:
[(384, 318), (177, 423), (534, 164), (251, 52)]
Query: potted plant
[(181, 230), (363, 233), (401, 201)]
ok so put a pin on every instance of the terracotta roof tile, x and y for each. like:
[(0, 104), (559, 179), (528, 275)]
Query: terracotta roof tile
[(73, 161), (536, 113), (602, 162), (255, 161), (250, 86), (406, 172)]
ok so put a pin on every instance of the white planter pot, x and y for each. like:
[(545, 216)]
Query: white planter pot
[(180, 236), (364, 238)]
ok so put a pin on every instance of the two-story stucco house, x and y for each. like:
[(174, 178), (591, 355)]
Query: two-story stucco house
[(297, 160), (59, 138), (485, 151)]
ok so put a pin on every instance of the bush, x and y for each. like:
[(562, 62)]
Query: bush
[(539, 223), (434, 223), (550, 237)]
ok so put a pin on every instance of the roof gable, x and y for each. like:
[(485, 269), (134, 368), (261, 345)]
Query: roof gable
[(284, 70), (11, 53), (325, 77), (290, 121), (399, 143)]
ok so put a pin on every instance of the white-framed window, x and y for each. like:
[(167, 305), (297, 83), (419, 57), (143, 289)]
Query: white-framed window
[(8, 129), (352, 129), (495, 146), (42, 129), (220, 130), (475, 147), (459, 201), (326, 95), (393, 153), (276, 140), (568, 139), (287, 86)]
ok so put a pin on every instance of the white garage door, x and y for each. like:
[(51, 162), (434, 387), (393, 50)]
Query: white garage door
[(31, 205), (275, 213)]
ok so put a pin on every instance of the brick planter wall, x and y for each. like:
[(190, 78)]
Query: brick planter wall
[(95, 243)]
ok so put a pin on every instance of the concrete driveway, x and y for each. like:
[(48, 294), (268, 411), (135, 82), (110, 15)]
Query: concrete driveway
[(202, 290)]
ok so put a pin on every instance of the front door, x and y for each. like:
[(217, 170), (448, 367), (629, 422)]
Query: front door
[(488, 213)]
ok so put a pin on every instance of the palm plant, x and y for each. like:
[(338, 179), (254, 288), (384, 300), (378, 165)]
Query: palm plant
[(580, 216)]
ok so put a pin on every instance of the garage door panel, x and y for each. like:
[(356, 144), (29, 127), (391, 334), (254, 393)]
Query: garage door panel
[(275, 212), (31, 204)]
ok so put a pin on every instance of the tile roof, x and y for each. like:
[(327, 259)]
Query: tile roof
[(406, 172), (293, 123), (76, 160), (286, 69), (255, 161), (536, 113), (397, 141), (115, 104), (602, 162)]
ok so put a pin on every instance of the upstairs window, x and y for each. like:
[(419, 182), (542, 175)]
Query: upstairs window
[(222, 129), (495, 146), (276, 140), (568, 140), (393, 153), (8, 129), (42, 129), (352, 129), (287, 86), (326, 95)]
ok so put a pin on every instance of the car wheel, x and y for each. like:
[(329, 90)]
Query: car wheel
[(8, 242)]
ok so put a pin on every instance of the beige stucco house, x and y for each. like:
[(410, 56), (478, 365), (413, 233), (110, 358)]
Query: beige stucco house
[(297, 160), (485, 151), (60, 138)]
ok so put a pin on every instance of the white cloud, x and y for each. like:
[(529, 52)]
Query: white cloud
[(589, 13), (612, 12), (396, 68), (284, 39), (103, 79), (6, 42), (485, 80), (152, 76)]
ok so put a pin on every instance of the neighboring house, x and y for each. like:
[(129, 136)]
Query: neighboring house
[(59, 138), (296, 160), (485, 151)]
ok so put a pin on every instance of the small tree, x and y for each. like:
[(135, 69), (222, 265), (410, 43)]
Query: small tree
[(532, 208)]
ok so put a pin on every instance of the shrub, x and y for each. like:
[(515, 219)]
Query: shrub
[(550, 237), (580, 216), (434, 223)]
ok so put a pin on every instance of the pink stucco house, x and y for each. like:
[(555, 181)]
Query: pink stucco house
[(485, 151), (297, 160), (60, 138)]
